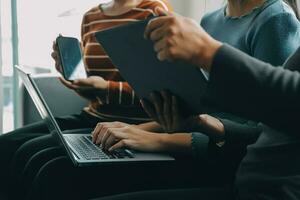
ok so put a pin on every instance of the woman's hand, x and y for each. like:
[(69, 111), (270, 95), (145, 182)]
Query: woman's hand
[(116, 135), (102, 128), (180, 38), (164, 109), (132, 138), (90, 88)]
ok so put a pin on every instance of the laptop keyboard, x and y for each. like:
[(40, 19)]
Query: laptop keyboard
[(86, 149)]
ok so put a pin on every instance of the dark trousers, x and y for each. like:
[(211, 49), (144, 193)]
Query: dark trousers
[(10, 142), (179, 194), (47, 173), (59, 179)]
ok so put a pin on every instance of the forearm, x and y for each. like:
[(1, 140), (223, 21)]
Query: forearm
[(254, 89), (177, 143), (150, 126)]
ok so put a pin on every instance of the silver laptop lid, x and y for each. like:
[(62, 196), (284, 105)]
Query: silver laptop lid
[(43, 109)]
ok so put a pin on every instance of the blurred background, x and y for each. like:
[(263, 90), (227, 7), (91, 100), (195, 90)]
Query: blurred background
[(28, 28)]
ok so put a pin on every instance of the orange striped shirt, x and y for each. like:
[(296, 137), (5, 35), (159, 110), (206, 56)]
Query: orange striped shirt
[(121, 103)]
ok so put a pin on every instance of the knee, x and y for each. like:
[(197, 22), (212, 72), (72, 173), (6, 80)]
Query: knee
[(40, 158), (54, 168), (49, 180), (29, 148)]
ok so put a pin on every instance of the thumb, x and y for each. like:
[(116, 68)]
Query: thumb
[(207, 122), (82, 82), (212, 126), (161, 12)]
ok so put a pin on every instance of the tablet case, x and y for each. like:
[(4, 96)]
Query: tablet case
[(135, 58)]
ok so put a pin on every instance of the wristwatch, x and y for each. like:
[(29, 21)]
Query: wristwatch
[(220, 143)]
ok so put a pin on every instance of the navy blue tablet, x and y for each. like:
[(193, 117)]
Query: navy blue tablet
[(136, 60)]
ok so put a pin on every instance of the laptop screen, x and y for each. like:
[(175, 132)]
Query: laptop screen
[(43, 109), (34, 95)]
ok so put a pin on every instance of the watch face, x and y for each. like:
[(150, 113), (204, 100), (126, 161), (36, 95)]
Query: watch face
[(220, 144)]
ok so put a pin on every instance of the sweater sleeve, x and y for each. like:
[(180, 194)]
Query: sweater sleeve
[(237, 137), (237, 134), (121, 93), (256, 90), (276, 38)]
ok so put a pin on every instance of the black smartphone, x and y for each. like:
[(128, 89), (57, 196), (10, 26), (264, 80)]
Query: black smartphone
[(71, 58)]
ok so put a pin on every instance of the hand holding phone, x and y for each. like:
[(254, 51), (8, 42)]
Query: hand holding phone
[(89, 88), (68, 61), (68, 57)]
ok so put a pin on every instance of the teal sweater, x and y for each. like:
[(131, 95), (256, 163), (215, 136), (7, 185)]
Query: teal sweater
[(270, 33)]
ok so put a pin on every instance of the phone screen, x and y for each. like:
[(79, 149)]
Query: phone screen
[(71, 58)]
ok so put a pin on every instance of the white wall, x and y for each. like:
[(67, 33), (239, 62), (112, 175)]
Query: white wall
[(195, 8), (1, 80)]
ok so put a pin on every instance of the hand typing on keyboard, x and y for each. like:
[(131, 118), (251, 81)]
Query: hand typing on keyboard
[(98, 132), (132, 138)]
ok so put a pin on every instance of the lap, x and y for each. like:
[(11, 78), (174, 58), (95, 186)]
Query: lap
[(179, 194), (67, 181), (26, 175)]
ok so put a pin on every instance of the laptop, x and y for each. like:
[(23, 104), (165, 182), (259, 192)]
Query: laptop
[(135, 58), (79, 147)]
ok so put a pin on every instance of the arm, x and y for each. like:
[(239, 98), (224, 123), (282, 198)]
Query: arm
[(137, 139), (275, 39), (237, 134), (197, 144), (150, 126), (239, 84), (224, 136), (272, 40), (254, 89)]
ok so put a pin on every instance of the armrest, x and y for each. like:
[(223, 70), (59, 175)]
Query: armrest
[(61, 100)]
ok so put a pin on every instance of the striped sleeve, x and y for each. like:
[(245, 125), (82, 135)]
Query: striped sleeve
[(121, 93)]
